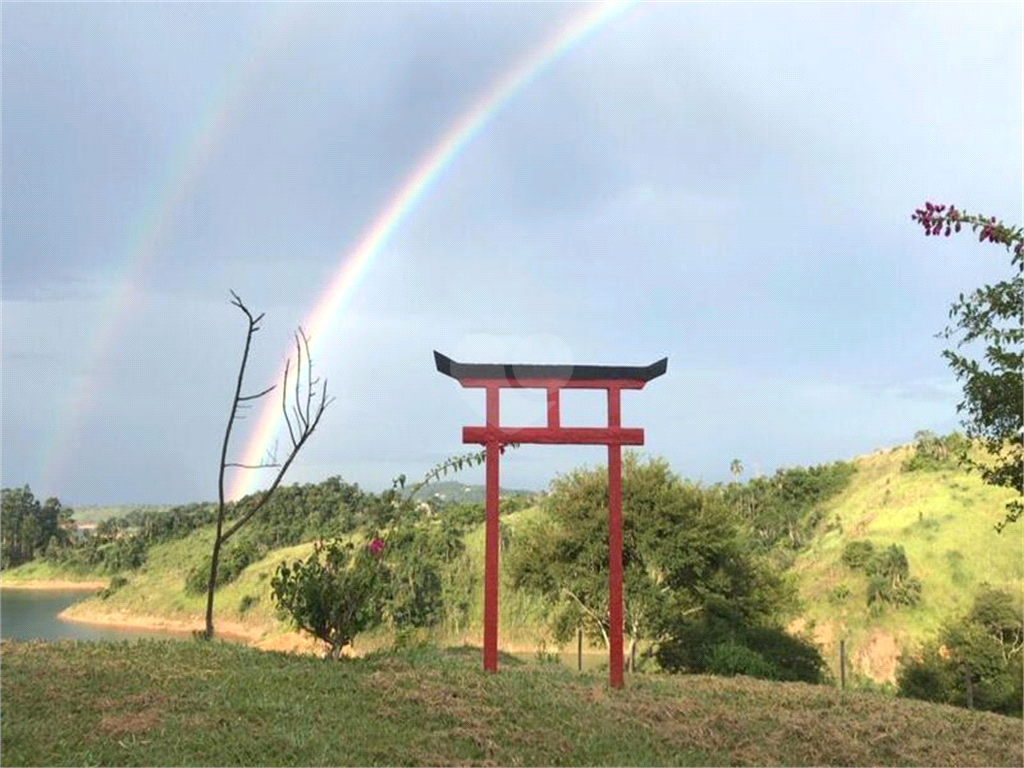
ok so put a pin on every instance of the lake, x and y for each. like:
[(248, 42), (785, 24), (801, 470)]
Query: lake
[(28, 614)]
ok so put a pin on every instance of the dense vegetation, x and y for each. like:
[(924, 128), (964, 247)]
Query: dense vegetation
[(692, 585), (186, 703), (710, 571), (28, 528), (975, 660)]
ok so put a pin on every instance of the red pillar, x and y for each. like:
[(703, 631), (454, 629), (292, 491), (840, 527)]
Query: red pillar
[(491, 536), (614, 547)]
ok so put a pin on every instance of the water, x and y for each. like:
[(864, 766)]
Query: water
[(28, 614)]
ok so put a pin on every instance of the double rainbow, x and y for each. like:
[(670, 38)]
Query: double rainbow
[(411, 193)]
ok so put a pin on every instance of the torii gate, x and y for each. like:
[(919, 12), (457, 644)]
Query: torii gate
[(553, 379)]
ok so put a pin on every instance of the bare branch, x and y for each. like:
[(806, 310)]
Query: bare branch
[(258, 395), (307, 417), (284, 401), (298, 369)]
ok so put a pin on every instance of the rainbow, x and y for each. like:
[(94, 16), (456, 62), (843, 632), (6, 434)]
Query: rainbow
[(173, 188), (411, 193)]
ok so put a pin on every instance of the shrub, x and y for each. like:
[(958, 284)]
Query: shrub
[(247, 602), (336, 593), (232, 563), (926, 678), (933, 453), (732, 658), (839, 593), (857, 554), (692, 649), (115, 584)]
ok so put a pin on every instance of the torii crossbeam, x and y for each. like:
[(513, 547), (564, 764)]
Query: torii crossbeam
[(553, 379)]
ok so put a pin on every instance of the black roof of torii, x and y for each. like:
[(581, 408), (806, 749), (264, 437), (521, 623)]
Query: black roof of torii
[(526, 372)]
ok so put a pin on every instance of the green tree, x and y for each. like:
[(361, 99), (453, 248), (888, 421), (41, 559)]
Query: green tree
[(736, 468), (682, 550), (336, 593), (28, 528), (989, 318), (985, 644)]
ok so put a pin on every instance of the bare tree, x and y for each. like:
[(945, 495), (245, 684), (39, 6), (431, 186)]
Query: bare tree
[(301, 416)]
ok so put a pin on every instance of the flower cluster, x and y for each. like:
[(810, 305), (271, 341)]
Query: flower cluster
[(375, 546), (936, 221), (944, 220)]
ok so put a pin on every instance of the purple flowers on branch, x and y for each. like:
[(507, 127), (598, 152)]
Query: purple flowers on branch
[(944, 220)]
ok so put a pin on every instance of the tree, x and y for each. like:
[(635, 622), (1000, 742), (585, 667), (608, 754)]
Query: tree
[(682, 551), (301, 417), (736, 468), (985, 645), (27, 527), (336, 593), (991, 317)]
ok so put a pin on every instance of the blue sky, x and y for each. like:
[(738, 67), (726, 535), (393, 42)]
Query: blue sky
[(726, 184)]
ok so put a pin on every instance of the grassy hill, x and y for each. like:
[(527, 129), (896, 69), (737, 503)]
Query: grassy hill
[(191, 703), (944, 521)]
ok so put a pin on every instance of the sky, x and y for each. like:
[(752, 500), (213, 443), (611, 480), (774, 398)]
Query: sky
[(728, 185)]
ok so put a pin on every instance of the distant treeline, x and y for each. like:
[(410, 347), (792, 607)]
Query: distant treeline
[(296, 513)]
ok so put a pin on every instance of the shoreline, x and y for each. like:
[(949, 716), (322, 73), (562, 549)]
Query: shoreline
[(258, 637), (227, 630), (56, 585)]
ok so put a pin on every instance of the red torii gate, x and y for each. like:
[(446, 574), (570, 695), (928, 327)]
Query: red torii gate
[(553, 379)]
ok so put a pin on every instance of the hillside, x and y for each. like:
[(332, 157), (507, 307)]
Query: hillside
[(190, 703), (451, 491), (943, 520), (93, 514)]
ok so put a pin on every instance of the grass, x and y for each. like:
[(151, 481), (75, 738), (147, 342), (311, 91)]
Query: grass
[(191, 703)]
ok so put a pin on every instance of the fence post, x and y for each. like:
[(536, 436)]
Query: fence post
[(842, 665), (579, 649), (969, 687)]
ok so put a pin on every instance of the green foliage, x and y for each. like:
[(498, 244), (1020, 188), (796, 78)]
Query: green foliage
[(683, 551), (28, 528), (933, 453), (247, 602), (691, 647), (888, 571), (989, 318), (115, 584), (336, 593), (839, 593), (732, 658), (858, 553), (985, 645), (782, 511), (232, 563)]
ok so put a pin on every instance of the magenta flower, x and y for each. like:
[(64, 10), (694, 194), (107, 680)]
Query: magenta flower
[(375, 546)]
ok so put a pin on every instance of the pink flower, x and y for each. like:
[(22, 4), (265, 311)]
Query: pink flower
[(375, 546)]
